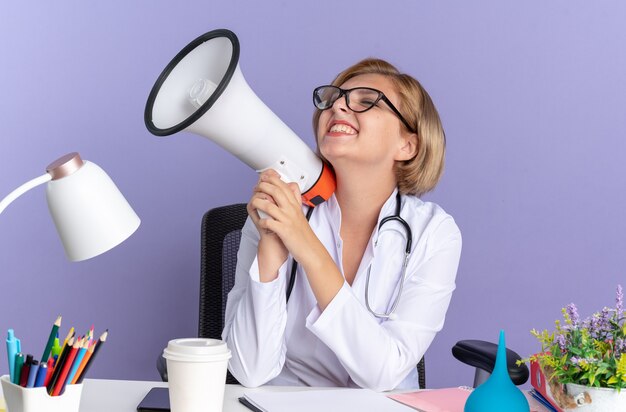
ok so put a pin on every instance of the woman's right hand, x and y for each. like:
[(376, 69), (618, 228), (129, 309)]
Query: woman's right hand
[(272, 253)]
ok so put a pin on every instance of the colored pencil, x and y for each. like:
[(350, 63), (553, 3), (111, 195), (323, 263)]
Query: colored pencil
[(58, 365), (69, 335), (83, 362), (67, 364), (53, 334), (97, 347), (84, 344)]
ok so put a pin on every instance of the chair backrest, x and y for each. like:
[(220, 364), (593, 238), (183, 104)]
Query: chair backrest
[(220, 236)]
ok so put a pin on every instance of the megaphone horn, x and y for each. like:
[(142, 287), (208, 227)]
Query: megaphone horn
[(203, 91)]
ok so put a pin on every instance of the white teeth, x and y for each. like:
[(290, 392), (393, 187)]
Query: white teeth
[(342, 128)]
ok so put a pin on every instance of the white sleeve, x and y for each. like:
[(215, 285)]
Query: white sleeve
[(255, 318), (377, 355)]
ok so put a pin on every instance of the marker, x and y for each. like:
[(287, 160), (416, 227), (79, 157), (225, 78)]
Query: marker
[(32, 374), (40, 380), (48, 375), (13, 348), (56, 347), (53, 334), (19, 364), (26, 370)]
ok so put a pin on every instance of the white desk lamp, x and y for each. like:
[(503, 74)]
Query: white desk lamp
[(90, 213)]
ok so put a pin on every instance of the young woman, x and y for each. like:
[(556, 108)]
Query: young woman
[(362, 312)]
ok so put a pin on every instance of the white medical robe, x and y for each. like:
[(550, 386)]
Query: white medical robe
[(295, 343)]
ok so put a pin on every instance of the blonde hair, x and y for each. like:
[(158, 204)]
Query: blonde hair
[(422, 172)]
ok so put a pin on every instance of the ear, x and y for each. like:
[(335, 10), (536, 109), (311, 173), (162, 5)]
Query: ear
[(409, 145)]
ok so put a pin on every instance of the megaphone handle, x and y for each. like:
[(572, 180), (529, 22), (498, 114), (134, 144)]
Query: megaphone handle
[(284, 178)]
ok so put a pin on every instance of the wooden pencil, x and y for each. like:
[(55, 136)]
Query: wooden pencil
[(58, 366), (96, 348), (83, 362), (53, 334), (69, 335), (67, 364)]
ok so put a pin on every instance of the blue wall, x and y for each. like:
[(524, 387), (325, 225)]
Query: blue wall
[(532, 96)]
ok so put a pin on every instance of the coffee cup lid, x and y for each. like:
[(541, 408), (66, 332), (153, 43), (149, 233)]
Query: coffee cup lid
[(196, 349)]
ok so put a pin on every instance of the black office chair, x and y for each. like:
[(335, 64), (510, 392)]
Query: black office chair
[(220, 236)]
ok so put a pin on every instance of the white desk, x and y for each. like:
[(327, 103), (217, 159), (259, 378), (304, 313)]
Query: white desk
[(100, 395)]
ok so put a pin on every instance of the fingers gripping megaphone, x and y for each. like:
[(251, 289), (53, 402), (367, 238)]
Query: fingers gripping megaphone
[(203, 91)]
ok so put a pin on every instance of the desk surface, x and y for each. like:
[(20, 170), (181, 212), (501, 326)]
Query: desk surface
[(101, 395)]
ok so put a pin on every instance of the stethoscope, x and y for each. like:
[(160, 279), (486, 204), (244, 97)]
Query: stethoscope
[(391, 315)]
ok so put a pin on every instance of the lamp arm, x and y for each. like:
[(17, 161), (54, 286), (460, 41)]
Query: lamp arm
[(23, 189)]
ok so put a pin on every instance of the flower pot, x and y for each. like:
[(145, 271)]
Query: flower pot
[(590, 399)]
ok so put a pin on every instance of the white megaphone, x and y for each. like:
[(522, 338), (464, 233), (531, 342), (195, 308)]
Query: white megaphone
[(203, 91)]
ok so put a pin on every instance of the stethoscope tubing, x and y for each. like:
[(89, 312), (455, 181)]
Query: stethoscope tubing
[(407, 252)]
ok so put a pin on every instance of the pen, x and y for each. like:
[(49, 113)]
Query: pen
[(32, 374), (97, 347), (13, 347), (19, 363), (26, 370), (40, 380), (48, 373), (53, 334), (242, 400)]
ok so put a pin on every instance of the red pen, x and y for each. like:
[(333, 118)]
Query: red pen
[(49, 371)]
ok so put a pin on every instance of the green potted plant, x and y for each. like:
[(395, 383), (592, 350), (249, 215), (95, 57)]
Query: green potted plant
[(584, 360)]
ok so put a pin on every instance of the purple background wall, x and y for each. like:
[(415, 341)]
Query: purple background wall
[(532, 96)]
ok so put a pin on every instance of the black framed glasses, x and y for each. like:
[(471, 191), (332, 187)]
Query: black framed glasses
[(358, 99)]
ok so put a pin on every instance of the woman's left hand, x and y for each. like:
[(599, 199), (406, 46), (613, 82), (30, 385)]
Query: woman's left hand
[(285, 217), (288, 222)]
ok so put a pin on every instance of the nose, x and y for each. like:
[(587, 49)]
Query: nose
[(341, 104)]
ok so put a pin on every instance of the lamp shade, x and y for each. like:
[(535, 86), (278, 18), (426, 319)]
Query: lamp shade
[(90, 213)]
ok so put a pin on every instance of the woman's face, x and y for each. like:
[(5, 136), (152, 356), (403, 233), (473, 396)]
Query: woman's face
[(372, 137)]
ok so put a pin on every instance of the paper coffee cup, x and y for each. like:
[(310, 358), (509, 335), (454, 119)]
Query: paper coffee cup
[(196, 370)]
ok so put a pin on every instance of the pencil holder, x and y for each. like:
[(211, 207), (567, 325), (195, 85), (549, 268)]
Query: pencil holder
[(20, 399)]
